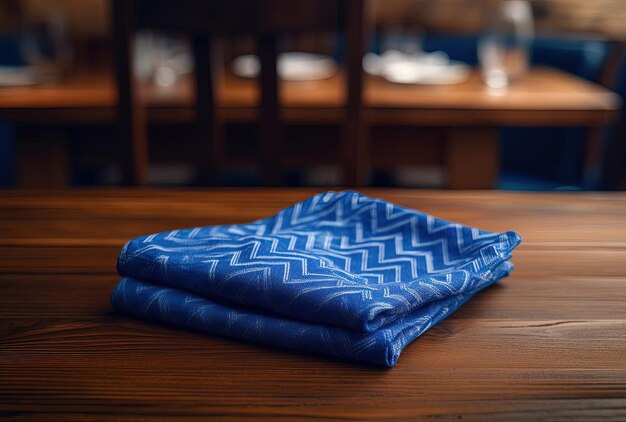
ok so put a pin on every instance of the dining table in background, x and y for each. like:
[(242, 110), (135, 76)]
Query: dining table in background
[(468, 115), (547, 343)]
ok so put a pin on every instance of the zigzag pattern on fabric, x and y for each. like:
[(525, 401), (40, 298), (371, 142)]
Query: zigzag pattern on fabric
[(338, 258)]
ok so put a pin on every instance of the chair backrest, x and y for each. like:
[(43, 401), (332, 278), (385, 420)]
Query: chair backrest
[(264, 19)]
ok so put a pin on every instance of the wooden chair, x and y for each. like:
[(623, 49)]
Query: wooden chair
[(610, 164), (264, 19)]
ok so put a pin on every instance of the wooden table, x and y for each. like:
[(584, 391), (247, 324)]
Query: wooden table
[(548, 343), (470, 112)]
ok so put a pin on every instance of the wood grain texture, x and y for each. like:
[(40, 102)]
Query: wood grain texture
[(548, 343)]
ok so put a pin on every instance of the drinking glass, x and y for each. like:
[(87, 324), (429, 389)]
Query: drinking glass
[(505, 43)]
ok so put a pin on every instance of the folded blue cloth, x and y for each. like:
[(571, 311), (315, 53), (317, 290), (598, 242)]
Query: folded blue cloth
[(339, 273)]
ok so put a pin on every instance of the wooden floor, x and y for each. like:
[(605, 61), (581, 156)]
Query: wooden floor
[(548, 343)]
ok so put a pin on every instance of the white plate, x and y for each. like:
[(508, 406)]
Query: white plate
[(292, 66), (413, 73), (422, 68), (18, 75)]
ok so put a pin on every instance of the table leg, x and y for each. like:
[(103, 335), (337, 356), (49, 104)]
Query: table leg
[(472, 158), (42, 158), (593, 158)]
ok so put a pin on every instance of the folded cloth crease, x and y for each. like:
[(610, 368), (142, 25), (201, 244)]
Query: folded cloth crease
[(339, 273)]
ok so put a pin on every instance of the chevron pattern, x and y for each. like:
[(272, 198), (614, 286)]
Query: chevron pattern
[(339, 259)]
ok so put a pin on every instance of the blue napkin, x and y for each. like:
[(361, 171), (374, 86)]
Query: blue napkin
[(339, 273)]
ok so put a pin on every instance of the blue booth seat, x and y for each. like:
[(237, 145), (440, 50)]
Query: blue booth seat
[(10, 55)]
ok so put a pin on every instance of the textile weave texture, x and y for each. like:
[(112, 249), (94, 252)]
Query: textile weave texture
[(340, 274)]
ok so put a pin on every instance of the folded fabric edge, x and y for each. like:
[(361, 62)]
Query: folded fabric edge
[(382, 347), (487, 260), (408, 334)]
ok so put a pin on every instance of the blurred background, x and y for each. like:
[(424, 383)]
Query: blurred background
[(489, 94)]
